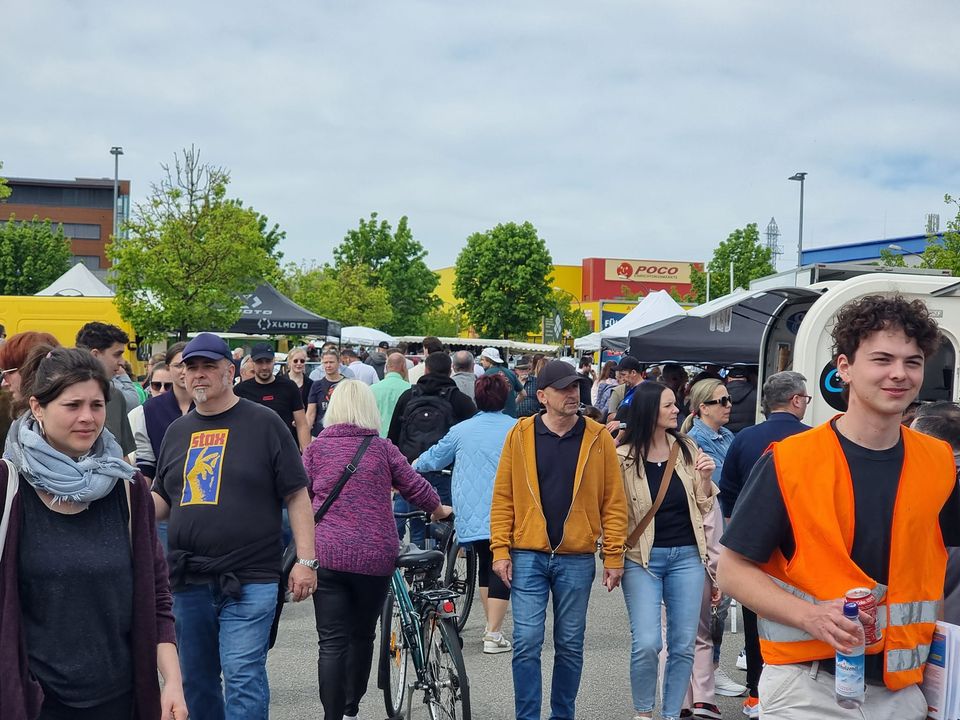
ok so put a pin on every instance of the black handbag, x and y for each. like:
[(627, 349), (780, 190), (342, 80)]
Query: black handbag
[(290, 552)]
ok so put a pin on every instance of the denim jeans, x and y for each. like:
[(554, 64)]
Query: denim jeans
[(441, 483), (216, 633), (535, 576), (674, 577)]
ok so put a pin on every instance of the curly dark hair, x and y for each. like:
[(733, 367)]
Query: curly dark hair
[(860, 318)]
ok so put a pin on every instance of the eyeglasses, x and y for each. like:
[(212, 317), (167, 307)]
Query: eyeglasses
[(156, 385), (724, 401), (806, 398), (298, 361), (11, 370)]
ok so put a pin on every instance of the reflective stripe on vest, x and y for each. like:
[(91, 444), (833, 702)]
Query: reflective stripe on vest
[(924, 611), (908, 659)]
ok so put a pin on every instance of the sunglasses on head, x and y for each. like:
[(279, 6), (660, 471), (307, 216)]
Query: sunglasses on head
[(724, 401), (156, 385), (8, 370)]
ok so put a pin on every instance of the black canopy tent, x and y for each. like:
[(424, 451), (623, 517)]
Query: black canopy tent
[(730, 335), (267, 312)]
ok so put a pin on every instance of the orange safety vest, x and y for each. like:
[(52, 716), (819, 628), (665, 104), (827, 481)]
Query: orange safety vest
[(818, 493)]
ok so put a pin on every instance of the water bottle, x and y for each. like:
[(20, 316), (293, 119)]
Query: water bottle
[(850, 680)]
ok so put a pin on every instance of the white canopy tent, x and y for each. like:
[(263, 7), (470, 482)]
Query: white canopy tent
[(655, 307), (360, 335), (78, 281)]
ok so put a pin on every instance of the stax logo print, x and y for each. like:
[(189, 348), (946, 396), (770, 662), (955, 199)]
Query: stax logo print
[(203, 467)]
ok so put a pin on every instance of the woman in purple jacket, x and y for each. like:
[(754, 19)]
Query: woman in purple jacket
[(85, 606), (356, 540)]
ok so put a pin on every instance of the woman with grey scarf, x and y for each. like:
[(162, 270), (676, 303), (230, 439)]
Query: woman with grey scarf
[(85, 606)]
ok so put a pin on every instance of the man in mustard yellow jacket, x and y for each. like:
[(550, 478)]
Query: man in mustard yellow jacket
[(558, 490)]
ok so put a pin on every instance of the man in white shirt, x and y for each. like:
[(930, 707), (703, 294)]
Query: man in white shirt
[(361, 372)]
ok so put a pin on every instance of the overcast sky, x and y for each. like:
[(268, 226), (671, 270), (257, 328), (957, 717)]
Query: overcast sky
[(619, 129)]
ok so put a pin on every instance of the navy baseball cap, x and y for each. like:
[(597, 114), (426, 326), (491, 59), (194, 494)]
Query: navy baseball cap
[(558, 375), (262, 351), (209, 346)]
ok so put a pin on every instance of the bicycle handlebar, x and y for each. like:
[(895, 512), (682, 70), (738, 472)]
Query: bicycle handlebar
[(421, 515)]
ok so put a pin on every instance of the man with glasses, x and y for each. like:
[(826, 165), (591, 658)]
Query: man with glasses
[(280, 394), (784, 402)]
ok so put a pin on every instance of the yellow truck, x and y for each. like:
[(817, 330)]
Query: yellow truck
[(62, 317)]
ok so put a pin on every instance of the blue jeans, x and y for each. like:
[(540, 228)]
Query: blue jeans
[(441, 483), (217, 633), (674, 578), (535, 576)]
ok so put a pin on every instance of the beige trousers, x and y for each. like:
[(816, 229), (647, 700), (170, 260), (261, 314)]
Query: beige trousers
[(801, 692)]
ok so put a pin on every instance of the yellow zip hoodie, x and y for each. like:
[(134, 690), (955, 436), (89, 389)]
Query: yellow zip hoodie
[(599, 505)]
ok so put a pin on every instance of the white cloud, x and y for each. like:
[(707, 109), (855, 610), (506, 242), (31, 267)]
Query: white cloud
[(617, 128)]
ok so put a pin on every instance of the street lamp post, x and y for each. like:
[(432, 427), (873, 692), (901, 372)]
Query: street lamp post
[(116, 151), (799, 177)]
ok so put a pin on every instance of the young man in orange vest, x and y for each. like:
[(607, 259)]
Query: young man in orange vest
[(859, 501)]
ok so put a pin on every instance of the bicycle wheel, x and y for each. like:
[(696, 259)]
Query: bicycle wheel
[(461, 577), (448, 689), (394, 658)]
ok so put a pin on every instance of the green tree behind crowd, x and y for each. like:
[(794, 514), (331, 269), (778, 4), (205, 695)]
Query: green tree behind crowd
[(395, 261), (190, 253), (347, 295), (751, 260), (32, 255), (503, 279)]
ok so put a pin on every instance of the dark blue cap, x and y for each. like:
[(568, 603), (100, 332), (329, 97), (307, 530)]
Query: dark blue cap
[(207, 345)]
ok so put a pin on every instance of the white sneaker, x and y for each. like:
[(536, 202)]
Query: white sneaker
[(742, 660), (494, 644), (724, 685)]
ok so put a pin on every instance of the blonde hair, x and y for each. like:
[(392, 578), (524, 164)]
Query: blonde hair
[(699, 393), (352, 403), (297, 351)]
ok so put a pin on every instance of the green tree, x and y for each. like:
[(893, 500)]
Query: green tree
[(347, 295), (574, 321), (503, 278), (443, 322), (942, 250), (396, 263), (190, 253), (4, 188), (32, 255), (751, 260)]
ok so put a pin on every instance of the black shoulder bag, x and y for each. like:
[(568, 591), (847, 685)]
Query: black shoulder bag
[(290, 552)]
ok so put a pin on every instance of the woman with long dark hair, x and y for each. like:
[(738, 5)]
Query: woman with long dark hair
[(665, 566)]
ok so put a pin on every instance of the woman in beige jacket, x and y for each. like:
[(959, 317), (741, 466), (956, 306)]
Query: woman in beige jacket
[(666, 565)]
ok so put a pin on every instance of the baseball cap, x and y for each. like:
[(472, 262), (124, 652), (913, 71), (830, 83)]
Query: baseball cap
[(209, 346), (262, 351), (383, 344), (628, 363), (492, 354), (558, 375), (737, 372)]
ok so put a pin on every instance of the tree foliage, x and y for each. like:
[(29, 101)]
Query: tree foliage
[(32, 255), (574, 321), (347, 295), (751, 260), (189, 255), (396, 263), (443, 322), (503, 279), (942, 250), (4, 188)]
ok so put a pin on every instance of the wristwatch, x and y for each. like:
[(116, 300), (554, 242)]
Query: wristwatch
[(312, 564)]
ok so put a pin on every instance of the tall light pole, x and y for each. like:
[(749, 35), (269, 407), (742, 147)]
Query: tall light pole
[(799, 177), (116, 151)]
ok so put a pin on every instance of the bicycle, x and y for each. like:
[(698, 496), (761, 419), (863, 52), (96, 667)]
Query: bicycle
[(418, 625), (460, 567)]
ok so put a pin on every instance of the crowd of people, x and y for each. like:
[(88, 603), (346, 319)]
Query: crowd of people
[(143, 522)]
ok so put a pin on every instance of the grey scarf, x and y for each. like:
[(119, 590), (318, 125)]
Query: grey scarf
[(90, 478)]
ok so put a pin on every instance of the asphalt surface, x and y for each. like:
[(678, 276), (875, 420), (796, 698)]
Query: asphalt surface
[(604, 689)]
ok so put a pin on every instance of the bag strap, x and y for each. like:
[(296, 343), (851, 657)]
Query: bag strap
[(661, 494), (126, 488), (13, 484), (349, 470)]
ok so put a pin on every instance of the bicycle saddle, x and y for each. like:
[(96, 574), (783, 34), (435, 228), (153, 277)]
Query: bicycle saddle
[(413, 558)]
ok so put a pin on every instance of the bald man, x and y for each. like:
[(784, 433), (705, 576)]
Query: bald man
[(388, 390)]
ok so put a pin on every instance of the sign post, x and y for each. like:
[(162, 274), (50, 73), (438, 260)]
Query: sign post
[(553, 329)]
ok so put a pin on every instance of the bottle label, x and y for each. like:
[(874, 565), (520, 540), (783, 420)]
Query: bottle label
[(850, 675)]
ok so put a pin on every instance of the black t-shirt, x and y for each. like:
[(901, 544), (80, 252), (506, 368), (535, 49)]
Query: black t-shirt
[(225, 477), (282, 396), (760, 523), (556, 468), (76, 590), (672, 524), (320, 393)]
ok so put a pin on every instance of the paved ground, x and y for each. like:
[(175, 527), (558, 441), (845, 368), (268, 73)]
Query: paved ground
[(604, 692)]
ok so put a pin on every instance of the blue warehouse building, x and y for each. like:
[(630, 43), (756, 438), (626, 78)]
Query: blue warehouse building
[(865, 252)]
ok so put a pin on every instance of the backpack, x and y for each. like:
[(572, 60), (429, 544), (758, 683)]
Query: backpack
[(426, 419)]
